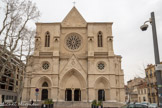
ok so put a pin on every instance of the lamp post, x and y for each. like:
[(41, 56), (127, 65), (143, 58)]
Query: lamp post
[(158, 66)]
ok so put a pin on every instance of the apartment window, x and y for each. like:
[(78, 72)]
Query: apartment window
[(2, 86), (144, 99), (150, 100), (153, 100), (10, 88), (146, 74), (150, 72)]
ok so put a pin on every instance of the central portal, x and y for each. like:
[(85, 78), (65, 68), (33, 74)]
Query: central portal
[(68, 95), (77, 95), (72, 94), (73, 86)]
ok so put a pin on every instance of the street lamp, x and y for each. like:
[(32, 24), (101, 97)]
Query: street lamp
[(158, 66)]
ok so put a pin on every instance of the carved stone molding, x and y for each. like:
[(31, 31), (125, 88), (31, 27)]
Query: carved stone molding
[(90, 38), (56, 38)]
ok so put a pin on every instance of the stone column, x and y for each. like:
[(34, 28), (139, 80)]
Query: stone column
[(72, 94), (96, 94)]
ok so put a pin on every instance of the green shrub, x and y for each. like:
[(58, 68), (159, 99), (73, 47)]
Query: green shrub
[(94, 102), (99, 103), (48, 101)]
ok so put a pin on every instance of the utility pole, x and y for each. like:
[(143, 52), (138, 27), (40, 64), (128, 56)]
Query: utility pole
[(158, 66), (157, 59)]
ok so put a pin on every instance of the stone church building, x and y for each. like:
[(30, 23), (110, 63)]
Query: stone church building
[(74, 60)]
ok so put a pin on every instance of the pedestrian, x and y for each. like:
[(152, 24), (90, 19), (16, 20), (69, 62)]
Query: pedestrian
[(32, 102), (17, 105)]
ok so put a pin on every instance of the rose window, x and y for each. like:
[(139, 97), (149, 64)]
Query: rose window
[(73, 41), (45, 66), (101, 66)]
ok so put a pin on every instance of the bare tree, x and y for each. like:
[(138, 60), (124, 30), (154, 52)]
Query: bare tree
[(25, 50), (16, 39)]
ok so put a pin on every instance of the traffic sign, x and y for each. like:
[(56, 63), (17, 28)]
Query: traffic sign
[(158, 67), (37, 90)]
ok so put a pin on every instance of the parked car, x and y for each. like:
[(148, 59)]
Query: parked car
[(136, 105), (153, 105), (145, 103)]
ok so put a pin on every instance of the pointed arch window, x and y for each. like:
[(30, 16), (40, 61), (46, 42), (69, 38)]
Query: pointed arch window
[(47, 39), (100, 40), (45, 84)]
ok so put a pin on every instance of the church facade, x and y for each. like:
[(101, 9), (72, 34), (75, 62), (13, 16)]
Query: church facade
[(74, 61)]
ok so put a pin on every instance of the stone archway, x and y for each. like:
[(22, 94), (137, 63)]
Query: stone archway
[(74, 81), (44, 85), (102, 89)]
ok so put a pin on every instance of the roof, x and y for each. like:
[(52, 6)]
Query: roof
[(74, 19)]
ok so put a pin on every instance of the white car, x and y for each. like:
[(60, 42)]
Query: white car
[(145, 103), (153, 105)]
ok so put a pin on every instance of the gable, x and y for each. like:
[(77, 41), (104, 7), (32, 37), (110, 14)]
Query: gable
[(73, 63), (74, 19)]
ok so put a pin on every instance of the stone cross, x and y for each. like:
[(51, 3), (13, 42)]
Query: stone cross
[(74, 3)]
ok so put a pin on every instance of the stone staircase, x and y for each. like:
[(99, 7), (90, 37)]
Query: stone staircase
[(85, 105), (72, 105)]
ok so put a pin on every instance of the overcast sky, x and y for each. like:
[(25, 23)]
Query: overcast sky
[(135, 46)]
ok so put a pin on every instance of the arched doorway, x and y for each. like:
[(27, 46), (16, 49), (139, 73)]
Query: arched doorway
[(44, 94), (44, 84), (44, 91), (74, 85), (77, 95), (101, 95), (68, 95), (102, 89)]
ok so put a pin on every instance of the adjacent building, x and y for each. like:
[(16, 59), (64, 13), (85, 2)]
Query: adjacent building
[(151, 83), (143, 89), (142, 92), (12, 77), (73, 61), (132, 89)]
